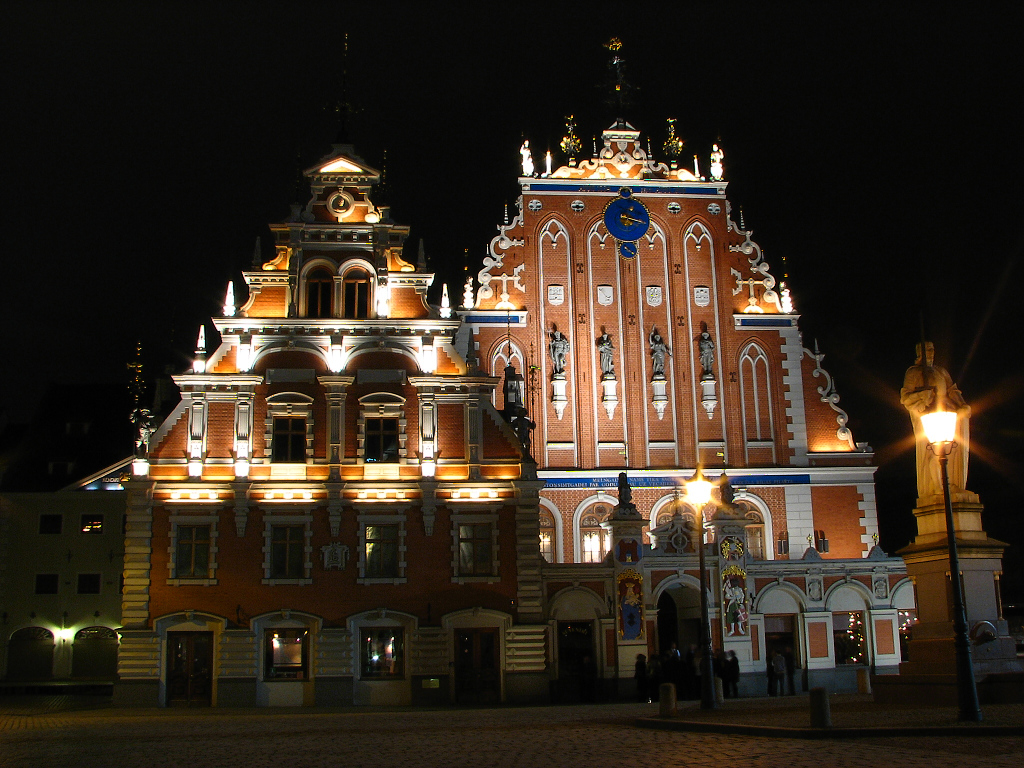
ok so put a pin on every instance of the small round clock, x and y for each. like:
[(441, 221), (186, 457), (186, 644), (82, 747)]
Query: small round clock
[(627, 220)]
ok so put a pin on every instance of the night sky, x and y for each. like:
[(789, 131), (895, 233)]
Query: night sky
[(873, 149)]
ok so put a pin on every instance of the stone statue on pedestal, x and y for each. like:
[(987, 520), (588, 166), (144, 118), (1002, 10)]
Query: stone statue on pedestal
[(605, 348), (927, 387), (559, 349)]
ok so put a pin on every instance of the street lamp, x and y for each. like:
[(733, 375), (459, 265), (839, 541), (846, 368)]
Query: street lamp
[(698, 492), (940, 431)]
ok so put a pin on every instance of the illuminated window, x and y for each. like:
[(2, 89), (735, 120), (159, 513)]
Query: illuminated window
[(92, 523), (287, 551), (381, 440), (755, 536), (319, 293), (547, 537), (475, 543), (88, 583), (356, 295), (381, 551), (593, 538), (849, 637), (289, 441), (382, 653), (286, 654), (192, 553), (51, 524)]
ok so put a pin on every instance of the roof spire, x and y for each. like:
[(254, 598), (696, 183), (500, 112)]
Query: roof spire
[(620, 87), (421, 257)]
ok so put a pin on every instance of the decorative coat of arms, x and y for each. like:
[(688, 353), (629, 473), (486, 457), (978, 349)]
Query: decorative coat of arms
[(556, 294), (605, 295), (701, 295), (631, 605), (335, 556), (653, 294)]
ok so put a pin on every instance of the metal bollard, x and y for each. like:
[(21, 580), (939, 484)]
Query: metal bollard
[(821, 712), (667, 700), (864, 680)]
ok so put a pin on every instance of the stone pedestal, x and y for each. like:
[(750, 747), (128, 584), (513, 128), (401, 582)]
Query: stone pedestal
[(660, 399), (708, 398), (558, 398), (609, 399)]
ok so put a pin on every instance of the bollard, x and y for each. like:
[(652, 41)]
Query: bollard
[(821, 712), (864, 680), (719, 691), (667, 700)]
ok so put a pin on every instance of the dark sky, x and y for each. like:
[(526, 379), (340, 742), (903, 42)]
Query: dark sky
[(874, 150)]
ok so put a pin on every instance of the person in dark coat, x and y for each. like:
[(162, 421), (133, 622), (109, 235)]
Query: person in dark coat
[(640, 675), (787, 655), (731, 675)]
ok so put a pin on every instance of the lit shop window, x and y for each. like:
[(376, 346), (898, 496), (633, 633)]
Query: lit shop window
[(286, 654), (92, 523), (382, 653)]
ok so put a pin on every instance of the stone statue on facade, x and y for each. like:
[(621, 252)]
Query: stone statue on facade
[(707, 353), (927, 387), (145, 427), (605, 348), (659, 349), (559, 349), (527, 159)]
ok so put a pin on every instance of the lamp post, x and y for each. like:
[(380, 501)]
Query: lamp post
[(940, 430), (698, 491)]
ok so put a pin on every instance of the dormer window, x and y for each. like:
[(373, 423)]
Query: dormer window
[(356, 294), (319, 293)]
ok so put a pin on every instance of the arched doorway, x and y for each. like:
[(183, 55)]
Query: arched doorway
[(94, 654), (30, 654), (679, 624)]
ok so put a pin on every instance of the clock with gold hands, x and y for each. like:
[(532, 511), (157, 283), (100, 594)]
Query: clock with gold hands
[(627, 220)]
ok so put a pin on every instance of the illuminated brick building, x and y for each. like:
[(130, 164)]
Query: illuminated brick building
[(335, 512), (655, 339), (342, 510)]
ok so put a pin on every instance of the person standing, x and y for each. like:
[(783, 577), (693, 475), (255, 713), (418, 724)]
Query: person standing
[(640, 675), (731, 675)]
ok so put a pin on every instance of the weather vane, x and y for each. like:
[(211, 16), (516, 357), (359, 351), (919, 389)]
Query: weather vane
[(673, 144), (620, 87)]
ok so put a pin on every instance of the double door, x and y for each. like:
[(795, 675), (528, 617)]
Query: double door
[(477, 671), (189, 668)]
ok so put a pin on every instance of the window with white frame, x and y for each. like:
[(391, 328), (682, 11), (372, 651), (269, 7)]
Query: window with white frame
[(192, 553), (289, 428), (356, 294), (286, 653), (287, 549), (320, 293), (594, 540), (382, 548), (381, 428), (474, 546), (756, 549)]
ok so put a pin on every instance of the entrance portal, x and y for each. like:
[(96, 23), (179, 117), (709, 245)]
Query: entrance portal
[(577, 669), (189, 668), (477, 675)]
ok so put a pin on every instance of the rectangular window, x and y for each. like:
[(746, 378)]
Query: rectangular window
[(50, 524), (475, 550), (92, 523), (289, 441), (287, 552), (381, 552), (547, 546), (88, 583), (286, 654), (381, 440), (382, 653), (192, 556), (47, 583)]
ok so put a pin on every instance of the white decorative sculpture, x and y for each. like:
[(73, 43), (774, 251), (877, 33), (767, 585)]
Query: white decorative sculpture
[(716, 162), (527, 159)]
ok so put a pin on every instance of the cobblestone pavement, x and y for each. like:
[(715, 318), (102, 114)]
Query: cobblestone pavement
[(41, 734)]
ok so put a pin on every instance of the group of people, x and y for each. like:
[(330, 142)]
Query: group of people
[(683, 670)]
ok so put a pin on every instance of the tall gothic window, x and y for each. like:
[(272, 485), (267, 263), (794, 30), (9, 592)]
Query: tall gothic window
[(756, 393)]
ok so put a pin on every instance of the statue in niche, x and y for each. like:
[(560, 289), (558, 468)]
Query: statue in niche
[(659, 349), (559, 349), (605, 348), (527, 159), (707, 354), (927, 387)]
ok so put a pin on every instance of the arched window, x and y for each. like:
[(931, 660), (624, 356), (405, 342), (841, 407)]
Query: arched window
[(356, 295), (547, 537), (593, 538), (319, 293), (755, 389), (755, 535)]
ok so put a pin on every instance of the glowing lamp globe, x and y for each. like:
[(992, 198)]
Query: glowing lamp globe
[(939, 426), (698, 490)]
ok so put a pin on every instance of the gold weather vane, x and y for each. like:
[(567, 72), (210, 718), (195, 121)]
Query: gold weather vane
[(620, 87), (570, 142), (673, 144)]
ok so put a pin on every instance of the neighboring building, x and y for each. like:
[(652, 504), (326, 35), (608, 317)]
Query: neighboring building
[(335, 513), (655, 340), (62, 539)]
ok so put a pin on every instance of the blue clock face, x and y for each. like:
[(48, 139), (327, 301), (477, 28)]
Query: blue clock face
[(625, 218), (627, 249)]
